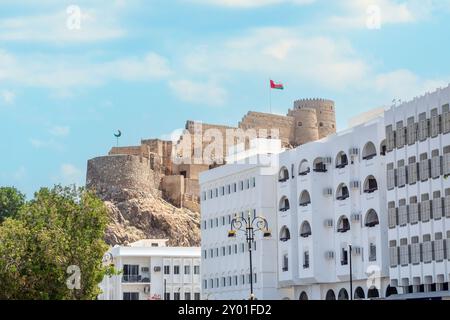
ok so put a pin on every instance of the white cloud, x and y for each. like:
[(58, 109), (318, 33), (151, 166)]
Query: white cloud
[(46, 144), (70, 174), (404, 84), (59, 131), (53, 28), (284, 53), (244, 4), (357, 12), (205, 93), (7, 96), (62, 72)]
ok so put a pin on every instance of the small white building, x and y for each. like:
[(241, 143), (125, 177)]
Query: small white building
[(247, 185), (331, 195), (152, 271), (418, 194)]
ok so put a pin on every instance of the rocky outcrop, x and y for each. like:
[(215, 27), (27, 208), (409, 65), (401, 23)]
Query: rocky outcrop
[(137, 215), (129, 188)]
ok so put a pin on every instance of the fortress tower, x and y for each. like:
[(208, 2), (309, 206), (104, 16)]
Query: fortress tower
[(314, 119)]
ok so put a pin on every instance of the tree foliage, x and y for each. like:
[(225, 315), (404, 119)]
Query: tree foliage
[(59, 228), (11, 200)]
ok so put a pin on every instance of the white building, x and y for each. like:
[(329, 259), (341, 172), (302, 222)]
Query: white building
[(236, 189), (418, 196), (331, 194), (152, 271)]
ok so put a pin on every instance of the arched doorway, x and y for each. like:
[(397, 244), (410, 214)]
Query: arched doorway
[(343, 294), (303, 296), (359, 294), (391, 291), (373, 293), (330, 295)]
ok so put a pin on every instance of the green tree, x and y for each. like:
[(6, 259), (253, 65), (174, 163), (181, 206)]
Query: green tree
[(11, 200), (59, 228)]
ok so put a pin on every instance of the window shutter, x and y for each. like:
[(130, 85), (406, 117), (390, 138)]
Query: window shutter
[(412, 173), (393, 256), (425, 211), (446, 122), (437, 208), (435, 126), (413, 213), (392, 213), (402, 215)]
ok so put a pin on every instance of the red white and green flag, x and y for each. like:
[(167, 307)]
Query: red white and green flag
[(277, 86)]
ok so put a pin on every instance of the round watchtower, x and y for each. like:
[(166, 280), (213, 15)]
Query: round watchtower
[(325, 113), (306, 129)]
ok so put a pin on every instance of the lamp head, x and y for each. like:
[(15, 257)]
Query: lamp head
[(267, 233)]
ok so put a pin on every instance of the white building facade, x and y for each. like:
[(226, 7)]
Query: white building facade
[(418, 194), (152, 271), (227, 191), (331, 194)]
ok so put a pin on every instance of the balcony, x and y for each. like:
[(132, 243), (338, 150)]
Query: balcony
[(135, 279)]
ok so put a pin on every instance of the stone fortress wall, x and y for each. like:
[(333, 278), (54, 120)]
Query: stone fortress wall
[(150, 166)]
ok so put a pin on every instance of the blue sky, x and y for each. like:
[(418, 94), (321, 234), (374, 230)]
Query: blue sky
[(147, 66)]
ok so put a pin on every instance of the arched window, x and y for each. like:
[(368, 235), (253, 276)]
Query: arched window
[(383, 148), (285, 235), (304, 168), (285, 266), (369, 151), (283, 175), (319, 165), (305, 229), (342, 192), (391, 291), (284, 204), (341, 160), (303, 296), (359, 294), (343, 224), (371, 219), (343, 294), (370, 184), (373, 293), (330, 295), (305, 199)]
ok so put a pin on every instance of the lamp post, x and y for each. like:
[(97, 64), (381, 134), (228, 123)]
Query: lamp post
[(249, 227), (351, 276)]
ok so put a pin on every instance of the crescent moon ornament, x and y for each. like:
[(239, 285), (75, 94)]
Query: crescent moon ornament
[(118, 134)]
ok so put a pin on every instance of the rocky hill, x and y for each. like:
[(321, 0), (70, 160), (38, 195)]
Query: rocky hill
[(137, 215), (137, 210)]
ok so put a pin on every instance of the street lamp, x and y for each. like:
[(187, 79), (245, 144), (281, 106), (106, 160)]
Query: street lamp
[(249, 227)]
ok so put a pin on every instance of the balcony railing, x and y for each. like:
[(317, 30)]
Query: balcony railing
[(344, 262), (135, 279), (284, 269)]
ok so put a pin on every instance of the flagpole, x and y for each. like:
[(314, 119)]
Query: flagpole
[(270, 98)]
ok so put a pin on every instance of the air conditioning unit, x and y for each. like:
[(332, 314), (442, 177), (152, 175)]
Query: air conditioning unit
[(329, 255), (356, 217), (157, 269), (147, 289), (145, 269), (327, 192), (354, 184), (353, 152), (357, 251), (328, 223)]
